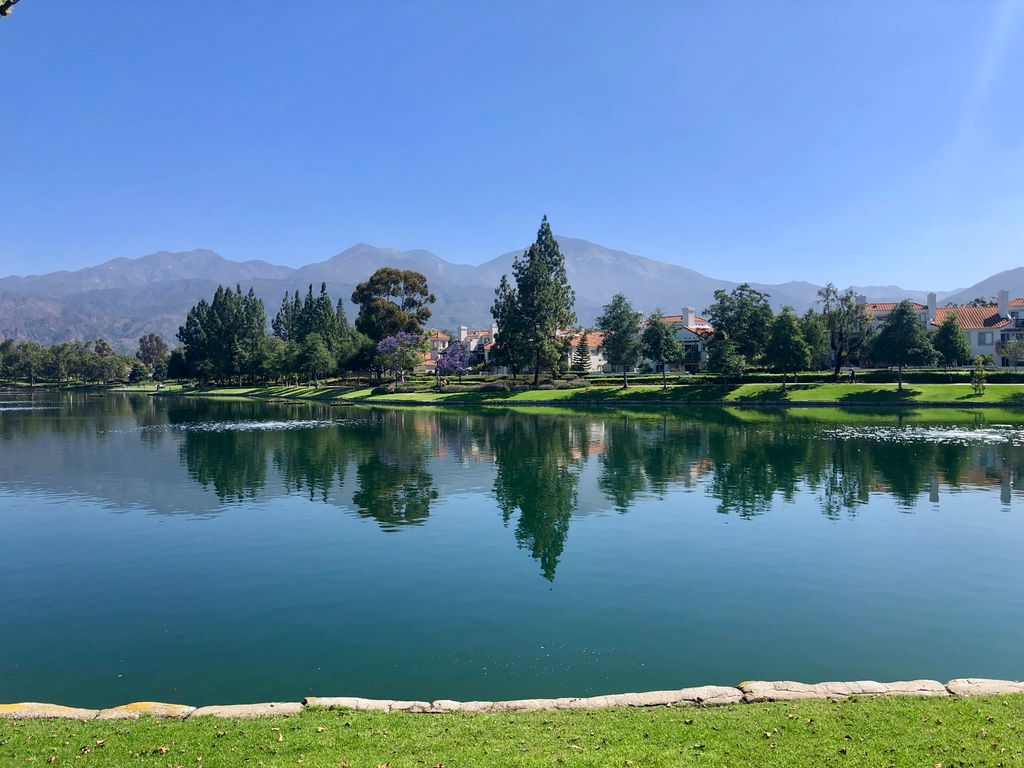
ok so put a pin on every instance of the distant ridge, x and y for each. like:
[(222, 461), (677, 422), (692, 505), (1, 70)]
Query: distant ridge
[(123, 299)]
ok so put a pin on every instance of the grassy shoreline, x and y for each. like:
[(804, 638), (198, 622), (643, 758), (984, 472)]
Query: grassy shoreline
[(771, 395), (899, 731)]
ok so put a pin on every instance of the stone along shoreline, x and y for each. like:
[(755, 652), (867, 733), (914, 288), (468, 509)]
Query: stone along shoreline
[(750, 692)]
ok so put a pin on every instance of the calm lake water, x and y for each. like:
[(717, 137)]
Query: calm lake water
[(216, 552)]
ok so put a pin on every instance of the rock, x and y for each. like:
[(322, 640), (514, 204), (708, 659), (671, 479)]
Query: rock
[(915, 688), (34, 711), (249, 710), (981, 686), (710, 696), (138, 708), (779, 690)]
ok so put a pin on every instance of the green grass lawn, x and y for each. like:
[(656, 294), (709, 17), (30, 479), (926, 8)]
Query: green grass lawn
[(681, 394), (846, 394), (922, 733)]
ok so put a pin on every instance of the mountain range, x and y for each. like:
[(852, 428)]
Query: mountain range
[(122, 299)]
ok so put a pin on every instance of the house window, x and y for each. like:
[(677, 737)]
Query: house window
[(984, 338)]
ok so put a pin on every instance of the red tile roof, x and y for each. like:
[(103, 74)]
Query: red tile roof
[(697, 319), (973, 317), (889, 306), (1017, 302), (594, 340), (439, 336)]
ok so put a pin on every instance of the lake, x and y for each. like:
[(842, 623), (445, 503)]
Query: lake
[(206, 551)]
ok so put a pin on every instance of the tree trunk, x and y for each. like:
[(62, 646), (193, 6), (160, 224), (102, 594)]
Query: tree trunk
[(664, 376), (536, 368), (783, 381), (899, 377), (625, 380)]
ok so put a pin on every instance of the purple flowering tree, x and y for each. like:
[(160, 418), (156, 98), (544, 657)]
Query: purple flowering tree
[(399, 353), (452, 362)]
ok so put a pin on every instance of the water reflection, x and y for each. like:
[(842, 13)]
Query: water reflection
[(538, 469)]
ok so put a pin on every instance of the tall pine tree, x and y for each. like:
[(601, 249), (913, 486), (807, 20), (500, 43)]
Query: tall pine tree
[(581, 357), (539, 307)]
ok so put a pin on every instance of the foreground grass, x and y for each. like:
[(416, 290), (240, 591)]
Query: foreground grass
[(867, 732)]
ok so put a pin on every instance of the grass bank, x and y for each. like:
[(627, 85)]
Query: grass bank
[(834, 394), (983, 731)]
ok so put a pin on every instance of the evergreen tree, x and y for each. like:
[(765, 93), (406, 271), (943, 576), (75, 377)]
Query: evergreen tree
[(541, 306), (744, 316), (621, 326), (950, 341), (224, 338), (510, 349), (787, 350), (724, 358), (660, 343), (581, 357), (902, 340)]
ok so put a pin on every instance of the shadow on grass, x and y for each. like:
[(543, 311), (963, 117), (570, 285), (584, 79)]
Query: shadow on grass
[(677, 393), (880, 396)]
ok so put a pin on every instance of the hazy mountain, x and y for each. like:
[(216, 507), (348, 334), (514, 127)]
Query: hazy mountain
[(1011, 280), (122, 299), (148, 270)]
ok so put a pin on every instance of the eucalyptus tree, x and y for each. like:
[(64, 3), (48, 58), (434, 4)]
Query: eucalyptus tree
[(847, 323), (393, 301)]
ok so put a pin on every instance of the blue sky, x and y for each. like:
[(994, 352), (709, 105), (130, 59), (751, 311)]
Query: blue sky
[(858, 142)]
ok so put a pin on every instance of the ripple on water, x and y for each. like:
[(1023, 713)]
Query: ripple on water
[(254, 426), (996, 434)]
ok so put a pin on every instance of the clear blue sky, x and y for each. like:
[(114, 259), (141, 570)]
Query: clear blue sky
[(859, 142)]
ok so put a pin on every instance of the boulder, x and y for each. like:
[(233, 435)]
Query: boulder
[(136, 709), (982, 686), (31, 710)]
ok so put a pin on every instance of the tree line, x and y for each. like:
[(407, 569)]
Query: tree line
[(82, 361), (748, 333)]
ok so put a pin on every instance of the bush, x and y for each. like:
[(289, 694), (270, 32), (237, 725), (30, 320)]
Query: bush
[(405, 389)]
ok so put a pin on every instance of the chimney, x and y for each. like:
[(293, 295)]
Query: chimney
[(689, 316), (932, 307), (1003, 297), (494, 331), (463, 332)]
